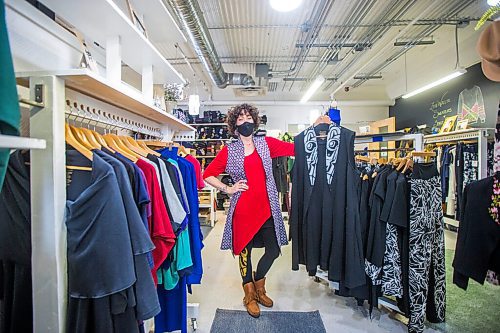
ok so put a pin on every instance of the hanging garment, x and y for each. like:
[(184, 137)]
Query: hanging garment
[(471, 106), (426, 243), (16, 302), (145, 290), (452, 184), (478, 243), (103, 302), (10, 116), (445, 171), (496, 155), (279, 173), (197, 168), (191, 206), (243, 220), (184, 265), (160, 228), (466, 171), (324, 224)]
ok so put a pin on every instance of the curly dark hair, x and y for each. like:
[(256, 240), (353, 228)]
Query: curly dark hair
[(234, 112)]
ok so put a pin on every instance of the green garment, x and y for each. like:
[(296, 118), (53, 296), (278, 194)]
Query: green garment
[(9, 106), (181, 259)]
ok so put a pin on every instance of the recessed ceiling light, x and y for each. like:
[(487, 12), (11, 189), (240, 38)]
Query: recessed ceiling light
[(285, 5)]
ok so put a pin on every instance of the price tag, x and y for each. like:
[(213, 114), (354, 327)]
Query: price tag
[(475, 164)]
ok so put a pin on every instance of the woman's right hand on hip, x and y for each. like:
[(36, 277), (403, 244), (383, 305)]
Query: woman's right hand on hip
[(240, 186)]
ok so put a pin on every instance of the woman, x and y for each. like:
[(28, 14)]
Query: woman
[(254, 218)]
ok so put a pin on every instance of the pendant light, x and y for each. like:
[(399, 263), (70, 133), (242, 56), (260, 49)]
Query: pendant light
[(285, 5)]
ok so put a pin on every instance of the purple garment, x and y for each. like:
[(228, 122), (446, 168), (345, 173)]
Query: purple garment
[(235, 168)]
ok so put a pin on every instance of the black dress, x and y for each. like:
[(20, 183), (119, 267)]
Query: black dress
[(15, 248), (478, 243), (324, 225)]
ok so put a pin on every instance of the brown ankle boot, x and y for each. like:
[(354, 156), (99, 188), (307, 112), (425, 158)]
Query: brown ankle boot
[(262, 298), (250, 300)]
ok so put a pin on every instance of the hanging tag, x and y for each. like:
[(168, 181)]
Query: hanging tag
[(475, 164)]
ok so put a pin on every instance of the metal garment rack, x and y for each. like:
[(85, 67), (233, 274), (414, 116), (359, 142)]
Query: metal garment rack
[(418, 144), (87, 116), (20, 142), (480, 135)]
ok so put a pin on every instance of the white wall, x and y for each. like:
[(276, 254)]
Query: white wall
[(279, 116)]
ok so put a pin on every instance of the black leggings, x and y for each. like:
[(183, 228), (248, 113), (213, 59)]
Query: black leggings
[(267, 237)]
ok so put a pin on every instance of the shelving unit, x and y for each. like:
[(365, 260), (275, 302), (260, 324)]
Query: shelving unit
[(48, 188), (211, 193), (119, 36), (19, 142), (116, 94), (209, 124)]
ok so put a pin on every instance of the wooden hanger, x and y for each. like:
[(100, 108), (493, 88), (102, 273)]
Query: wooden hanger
[(152, 143), (90, 138), (124, 146), (143, 145), (80, 137), (362, 158), (112, 143), (408, 165), (73, 142), (134, 149)]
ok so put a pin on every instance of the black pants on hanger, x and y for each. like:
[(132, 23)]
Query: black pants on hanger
[(265, 237)]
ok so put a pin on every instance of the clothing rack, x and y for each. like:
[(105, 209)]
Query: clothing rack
[(48, 167), (417, 139), (418, 145), (77, 112), (480, 135)]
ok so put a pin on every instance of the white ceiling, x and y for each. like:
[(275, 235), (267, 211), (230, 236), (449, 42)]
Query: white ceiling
[(247, 32)]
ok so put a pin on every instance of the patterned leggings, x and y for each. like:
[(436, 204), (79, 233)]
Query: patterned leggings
[(272, 251), (427, 262)]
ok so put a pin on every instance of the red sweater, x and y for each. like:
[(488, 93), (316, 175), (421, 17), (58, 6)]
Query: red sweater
[(253, 208)]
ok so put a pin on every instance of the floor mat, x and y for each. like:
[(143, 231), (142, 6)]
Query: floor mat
[(233, 321)]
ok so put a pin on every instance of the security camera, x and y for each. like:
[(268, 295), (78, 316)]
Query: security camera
[(346, 89)]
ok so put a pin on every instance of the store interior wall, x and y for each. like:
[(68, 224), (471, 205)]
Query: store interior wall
[(279, 117)]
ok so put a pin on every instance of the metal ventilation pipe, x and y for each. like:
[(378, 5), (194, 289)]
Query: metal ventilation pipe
[(189, 14)]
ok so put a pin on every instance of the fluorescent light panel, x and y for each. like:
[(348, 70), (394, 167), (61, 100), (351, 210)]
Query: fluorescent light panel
[(447, 78), (312, 89)]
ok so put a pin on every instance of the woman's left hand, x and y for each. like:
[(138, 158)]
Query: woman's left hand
[(324, 119)]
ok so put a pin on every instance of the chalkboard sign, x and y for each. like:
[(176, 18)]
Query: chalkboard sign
[(470, 96)]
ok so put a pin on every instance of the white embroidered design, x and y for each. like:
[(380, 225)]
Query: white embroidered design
[(332, 150)]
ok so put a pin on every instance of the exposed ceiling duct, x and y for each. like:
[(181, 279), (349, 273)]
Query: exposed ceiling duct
[(189, 14)]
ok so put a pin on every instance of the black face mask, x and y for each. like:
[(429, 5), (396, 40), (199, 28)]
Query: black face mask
[(246, 129)]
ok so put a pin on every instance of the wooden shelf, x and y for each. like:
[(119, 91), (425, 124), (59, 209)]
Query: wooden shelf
[(101, 20), (19, 142), (119, 95)]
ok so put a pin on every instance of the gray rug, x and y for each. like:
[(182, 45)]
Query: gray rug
[(233, 321)]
